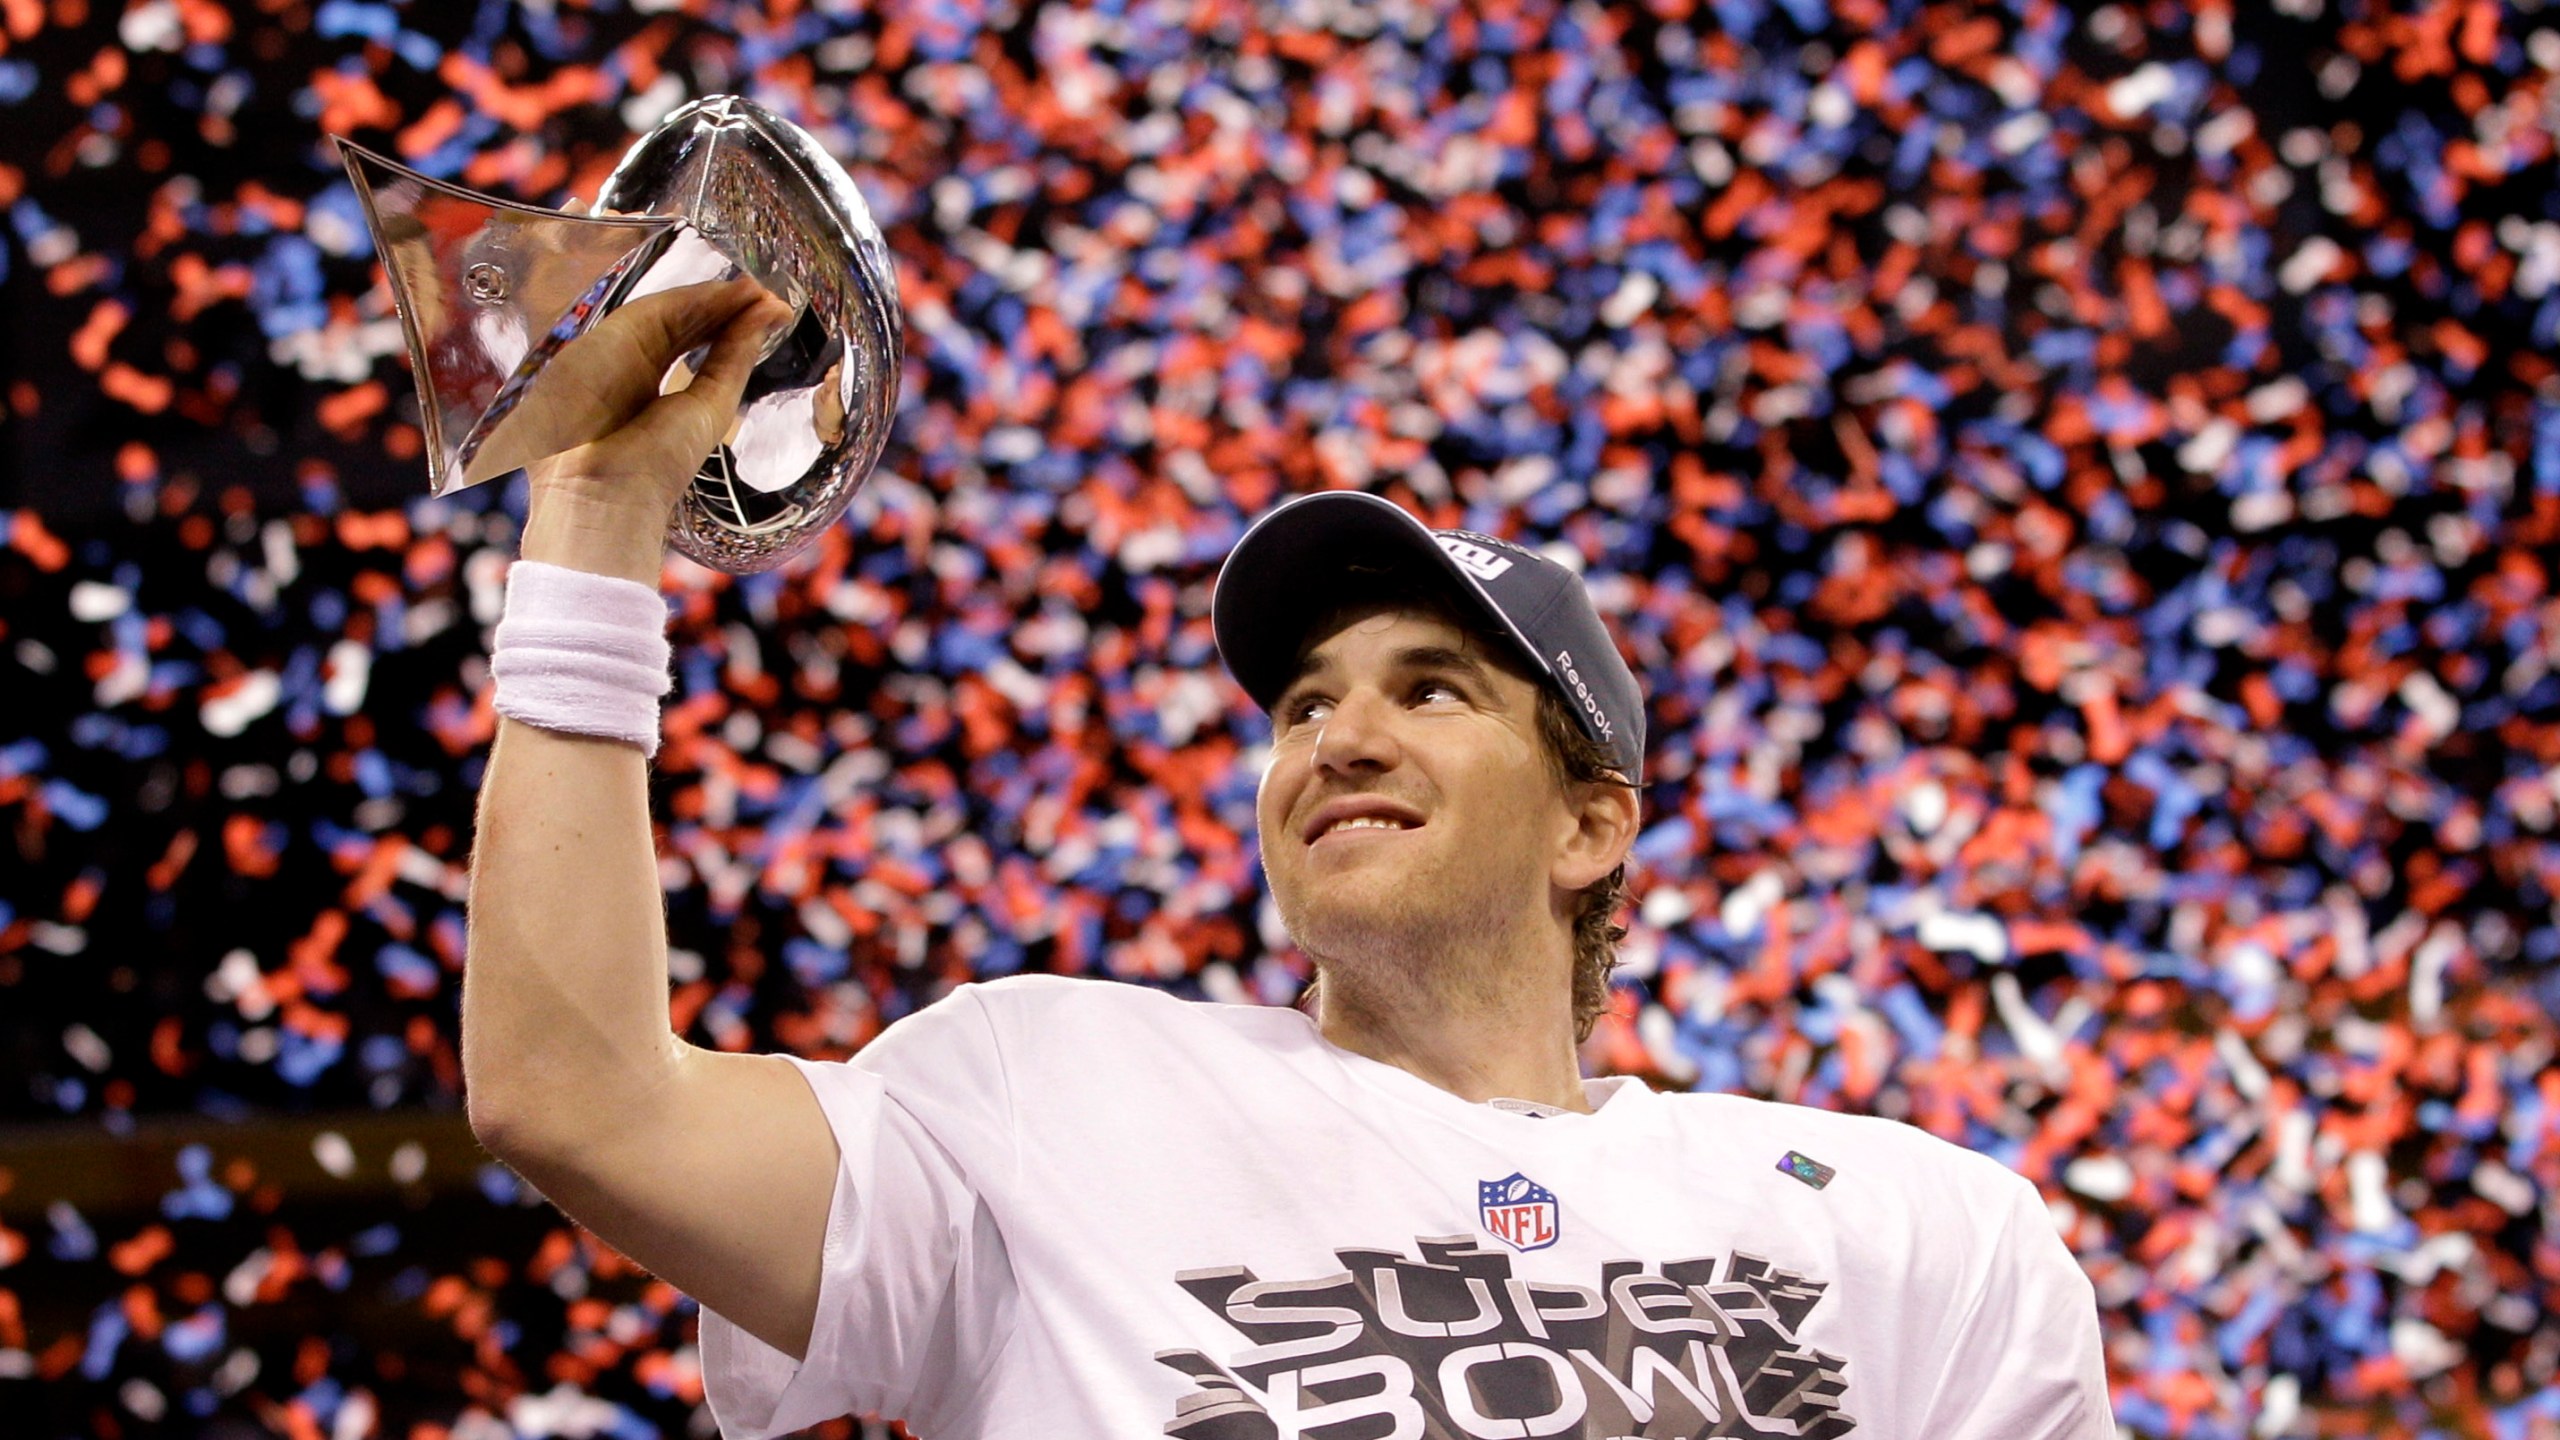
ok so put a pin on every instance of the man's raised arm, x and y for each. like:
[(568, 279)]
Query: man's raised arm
[(714, 1171)]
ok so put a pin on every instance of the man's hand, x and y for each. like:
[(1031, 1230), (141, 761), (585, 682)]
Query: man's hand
[(626, 451)]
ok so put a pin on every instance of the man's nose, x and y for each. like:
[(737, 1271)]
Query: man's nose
[(1358, 734)]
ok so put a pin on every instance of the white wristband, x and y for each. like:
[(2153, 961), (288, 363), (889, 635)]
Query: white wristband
[(581, 653)]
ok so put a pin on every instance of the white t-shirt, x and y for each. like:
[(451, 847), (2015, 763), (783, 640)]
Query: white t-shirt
[(1075, 1209)]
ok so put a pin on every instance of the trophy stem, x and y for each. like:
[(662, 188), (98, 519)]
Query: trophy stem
[(487, 290)]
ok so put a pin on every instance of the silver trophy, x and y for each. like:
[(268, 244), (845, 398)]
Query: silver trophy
[(489, 291)]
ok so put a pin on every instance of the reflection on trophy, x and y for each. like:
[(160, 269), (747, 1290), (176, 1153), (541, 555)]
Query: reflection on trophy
[(489, 291)]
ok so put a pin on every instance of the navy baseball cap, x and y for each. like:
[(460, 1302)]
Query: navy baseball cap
[(1290, 569)]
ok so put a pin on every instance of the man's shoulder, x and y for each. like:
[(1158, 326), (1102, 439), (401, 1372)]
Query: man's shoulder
[(1030, 991), (1848, 1144), (1056, 1002), (1042, 1035)]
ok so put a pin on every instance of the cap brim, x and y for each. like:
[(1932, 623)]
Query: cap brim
[(1282, 578)]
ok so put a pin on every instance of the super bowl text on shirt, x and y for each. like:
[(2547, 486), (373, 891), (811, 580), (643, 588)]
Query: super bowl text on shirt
[(1448, 1344)]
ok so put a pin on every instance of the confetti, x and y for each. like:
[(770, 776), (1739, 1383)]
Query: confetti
[(2078, 484)]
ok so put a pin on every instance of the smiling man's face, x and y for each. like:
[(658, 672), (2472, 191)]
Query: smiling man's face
[(1409, 800)]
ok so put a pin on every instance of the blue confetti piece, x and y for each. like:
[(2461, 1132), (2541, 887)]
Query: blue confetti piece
[(76, 808)]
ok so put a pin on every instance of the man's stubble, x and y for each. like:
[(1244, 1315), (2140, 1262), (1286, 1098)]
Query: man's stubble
[(1389, 942)]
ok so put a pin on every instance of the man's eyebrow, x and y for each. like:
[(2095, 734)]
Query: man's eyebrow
[(1315, 664), (1309, 666), (1443, 657)]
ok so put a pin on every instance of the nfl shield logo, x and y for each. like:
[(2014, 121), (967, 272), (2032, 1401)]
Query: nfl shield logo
[(1519, 1212)]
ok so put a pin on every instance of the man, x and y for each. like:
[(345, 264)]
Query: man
[(1054, 1208)]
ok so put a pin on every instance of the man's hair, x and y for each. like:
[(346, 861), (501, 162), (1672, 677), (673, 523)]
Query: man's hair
[(1579, 759), (1573, 756)]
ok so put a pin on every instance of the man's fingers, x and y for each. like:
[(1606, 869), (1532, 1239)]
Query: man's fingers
[(665, 326), (701, 412), (608, 376), (649, 445), (741, 345)]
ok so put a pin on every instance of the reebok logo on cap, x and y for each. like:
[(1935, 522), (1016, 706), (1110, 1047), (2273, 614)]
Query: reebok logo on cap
[(1582, 692)]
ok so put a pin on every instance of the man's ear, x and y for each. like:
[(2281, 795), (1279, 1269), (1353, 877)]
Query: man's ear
[(1605, 816)]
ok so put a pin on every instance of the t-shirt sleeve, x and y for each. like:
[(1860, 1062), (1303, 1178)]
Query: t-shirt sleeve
[(2027, 1362), (916, 1290)]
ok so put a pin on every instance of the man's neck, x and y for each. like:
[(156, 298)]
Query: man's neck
[(1514, 1042)]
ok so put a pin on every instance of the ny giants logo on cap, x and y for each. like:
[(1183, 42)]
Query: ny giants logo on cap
[(1519, 1212), (1475, 559), (1590, 702)]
